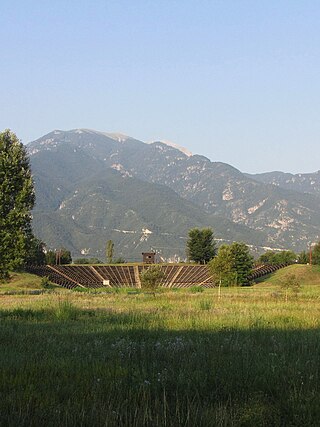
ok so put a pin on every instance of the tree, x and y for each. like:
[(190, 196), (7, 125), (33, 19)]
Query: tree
[(242, 262), (63, 256), (109, 251), (35, 252), (221, 267), (50, 258), (16, 201), (290, 283), (60, 256), (201, 247), (316, 254), (232, 266), (303, 258), (282, 257), (151, 278)]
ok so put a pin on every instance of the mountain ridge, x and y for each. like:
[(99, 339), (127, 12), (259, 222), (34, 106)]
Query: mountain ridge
[(260, 213)]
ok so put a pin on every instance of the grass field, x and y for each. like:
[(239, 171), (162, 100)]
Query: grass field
[(181, 358)]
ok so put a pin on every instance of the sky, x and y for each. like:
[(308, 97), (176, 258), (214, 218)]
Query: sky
[(237, 81)]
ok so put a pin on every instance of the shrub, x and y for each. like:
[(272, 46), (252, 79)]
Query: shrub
[(195, 289), (290, 283), (151, 278), (45, 283)]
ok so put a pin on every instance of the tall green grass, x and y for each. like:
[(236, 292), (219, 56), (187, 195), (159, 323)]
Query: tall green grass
[(177, 359)]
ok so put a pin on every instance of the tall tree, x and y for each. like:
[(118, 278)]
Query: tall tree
[(35, 252), (16, 201), (242, 262), (109, 251), (221, 267), (315, 259), (233, 265), (201, 246)]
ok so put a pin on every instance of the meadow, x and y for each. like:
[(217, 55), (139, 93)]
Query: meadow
[(179, 358)]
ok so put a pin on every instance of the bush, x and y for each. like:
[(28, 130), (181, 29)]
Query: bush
[(46, 284), (195, 289), (290, 283), (151, 278)]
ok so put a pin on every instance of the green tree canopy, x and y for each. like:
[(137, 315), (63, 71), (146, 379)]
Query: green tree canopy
[(201, 246), (221, 267), (281, 257), (242, 262), (151, 278), (316, 254), (303, 257), (233, 265), (16, 201), (60, 256), (35, 252), (109, 251)]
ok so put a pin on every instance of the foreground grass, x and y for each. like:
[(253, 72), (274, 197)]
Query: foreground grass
[(179, 359)]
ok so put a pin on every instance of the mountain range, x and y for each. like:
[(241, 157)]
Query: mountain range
[(93, 186)]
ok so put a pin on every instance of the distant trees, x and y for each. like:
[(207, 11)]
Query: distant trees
[(316, 254), (16, 201), (109, 251), (303, 258), (232, 265), (35, 252), (87, 261), (60, 256), (201, 246), (281, 257)]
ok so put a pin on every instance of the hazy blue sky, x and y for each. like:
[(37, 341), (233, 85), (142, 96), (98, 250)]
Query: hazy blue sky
[(237, 81)]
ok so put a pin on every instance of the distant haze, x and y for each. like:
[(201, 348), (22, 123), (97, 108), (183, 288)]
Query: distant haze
[(237, 82)]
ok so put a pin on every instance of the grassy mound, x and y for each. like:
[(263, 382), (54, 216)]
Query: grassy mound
[(22, 282), (306, 274)]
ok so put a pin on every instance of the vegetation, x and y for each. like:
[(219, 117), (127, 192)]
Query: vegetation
[(303, 258), (109, 251), (16, 202), (316, 254), (183, 358), (60, 256), (232, 266), (290, 283), (87, 261), (35, 252), (151, 277), (282, 257), (201, 246)]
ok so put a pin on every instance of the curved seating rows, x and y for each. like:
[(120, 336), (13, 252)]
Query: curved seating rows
[(71, 276)]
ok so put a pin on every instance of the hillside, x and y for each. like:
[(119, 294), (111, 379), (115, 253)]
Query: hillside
[(89, 205), (307, 275), (302, 182), (93, 186)]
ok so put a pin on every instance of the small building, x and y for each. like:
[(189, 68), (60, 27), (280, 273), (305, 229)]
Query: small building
[(149, 257)]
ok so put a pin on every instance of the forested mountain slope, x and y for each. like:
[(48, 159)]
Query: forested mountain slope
[(93, 186)]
